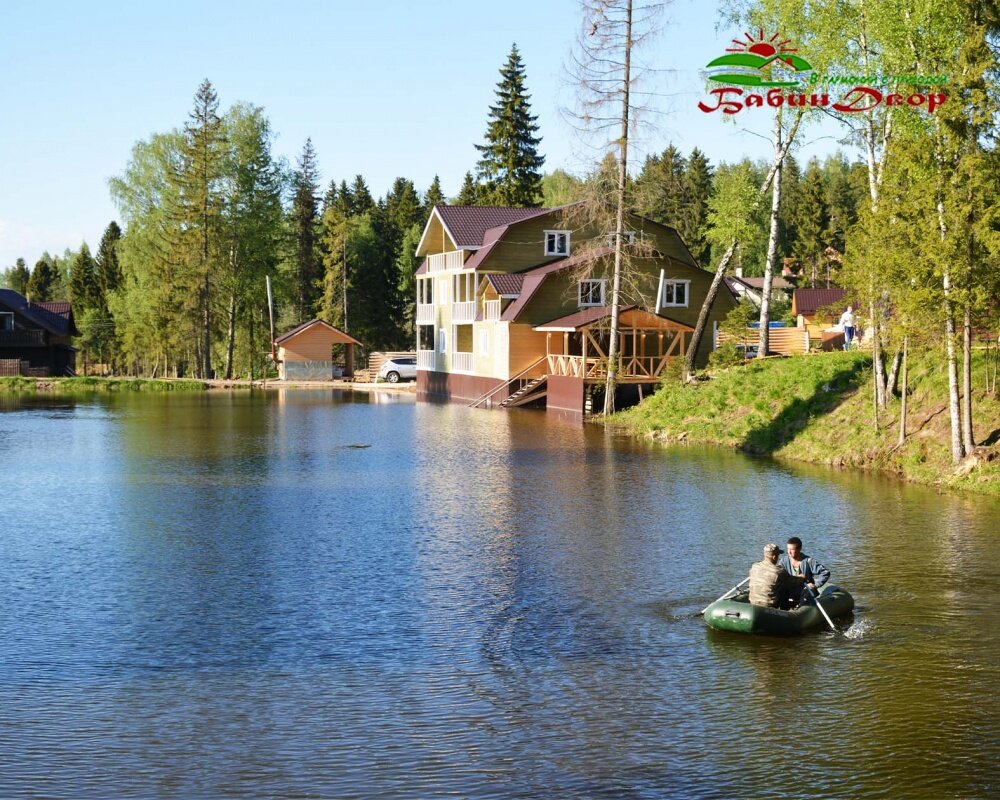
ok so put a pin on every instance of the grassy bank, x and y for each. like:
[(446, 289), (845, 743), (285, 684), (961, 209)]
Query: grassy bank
[(90, 384), (819, 409)]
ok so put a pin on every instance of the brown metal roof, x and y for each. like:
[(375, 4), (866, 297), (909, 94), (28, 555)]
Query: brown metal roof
[(506, 284), (468, 224), (535, 277), (777, 282), (809, 301), (343, 337), (58, 323)]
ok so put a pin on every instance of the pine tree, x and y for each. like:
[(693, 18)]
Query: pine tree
[(42, 281), (510, 166), (304, 223), (470, 193), (660, 186), (433, 196), (83, 288)]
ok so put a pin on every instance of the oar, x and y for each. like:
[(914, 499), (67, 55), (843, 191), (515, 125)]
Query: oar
[(822, 610), (735, 588)]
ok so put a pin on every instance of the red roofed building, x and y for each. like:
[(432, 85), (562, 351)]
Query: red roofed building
[(513, 306)]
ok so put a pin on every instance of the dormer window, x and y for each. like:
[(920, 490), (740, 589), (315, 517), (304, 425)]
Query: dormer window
[(557, 243), (628, 237), (591, 293), (675, 293)]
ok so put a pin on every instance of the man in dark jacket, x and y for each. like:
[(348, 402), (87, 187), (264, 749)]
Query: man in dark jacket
[(804, 571), (768, 579)]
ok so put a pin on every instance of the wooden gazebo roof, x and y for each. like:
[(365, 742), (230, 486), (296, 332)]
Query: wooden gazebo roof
[(628, 317)]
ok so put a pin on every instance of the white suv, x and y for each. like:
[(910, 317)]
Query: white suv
[(399, 368)]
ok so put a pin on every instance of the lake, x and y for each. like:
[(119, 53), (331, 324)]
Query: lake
[(309, 594)]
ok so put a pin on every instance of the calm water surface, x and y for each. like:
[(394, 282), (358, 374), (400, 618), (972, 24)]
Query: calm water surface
[(222, 596)]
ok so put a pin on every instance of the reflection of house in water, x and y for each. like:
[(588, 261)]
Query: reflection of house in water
[(513, 306)]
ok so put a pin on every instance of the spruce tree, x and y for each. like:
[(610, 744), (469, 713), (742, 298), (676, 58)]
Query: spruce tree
[(42, 281), (18, 277), (83, 288), (811, 223), (433, 196), (470, 193), (108, 272), (509, 165), (693, 222), (304, 224), (362, 201), (660, 187)]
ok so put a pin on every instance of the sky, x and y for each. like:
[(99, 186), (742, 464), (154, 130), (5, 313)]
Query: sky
[(383, 88)]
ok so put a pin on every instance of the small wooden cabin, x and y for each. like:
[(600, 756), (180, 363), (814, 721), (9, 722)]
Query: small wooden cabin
[(36, 339), (307, 352), (813, 309)]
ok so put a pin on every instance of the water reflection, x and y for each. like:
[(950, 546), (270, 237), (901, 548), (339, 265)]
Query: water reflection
[(336, 594)]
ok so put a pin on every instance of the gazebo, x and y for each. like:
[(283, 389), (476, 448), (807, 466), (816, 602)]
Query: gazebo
[(306, 352)]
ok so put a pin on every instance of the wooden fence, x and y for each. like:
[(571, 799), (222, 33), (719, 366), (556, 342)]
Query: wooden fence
[(787, 341)]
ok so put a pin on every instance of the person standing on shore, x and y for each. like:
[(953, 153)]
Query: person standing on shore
[(847, 323)]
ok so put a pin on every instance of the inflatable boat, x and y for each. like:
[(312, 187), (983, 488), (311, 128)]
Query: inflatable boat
[(735, 613)]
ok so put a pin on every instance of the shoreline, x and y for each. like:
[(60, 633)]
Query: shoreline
[(99, 385)]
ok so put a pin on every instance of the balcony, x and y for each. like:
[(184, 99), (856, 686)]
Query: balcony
[(492, 311), (439, 262), (463, 312), (462, 362), (22, 338), (425, 359), (425, 314)]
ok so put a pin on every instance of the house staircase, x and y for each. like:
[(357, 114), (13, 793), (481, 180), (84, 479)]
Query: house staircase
[(526, 391), (531, 391)]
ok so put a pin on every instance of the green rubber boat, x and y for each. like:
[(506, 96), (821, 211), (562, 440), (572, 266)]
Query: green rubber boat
[(737, 614)]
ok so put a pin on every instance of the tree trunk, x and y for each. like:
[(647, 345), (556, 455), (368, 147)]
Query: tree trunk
[(902, 405), (772, 247), (878, 363), (231, 338), (713, 290), (967, 433), (207, 320), (609, 392), (957, 446), (890, 386)]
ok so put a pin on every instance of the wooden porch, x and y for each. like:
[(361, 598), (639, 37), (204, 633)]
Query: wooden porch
[(577, 346)]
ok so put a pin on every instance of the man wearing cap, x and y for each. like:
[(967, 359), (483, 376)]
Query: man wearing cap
[(803, 571), (768, 579)]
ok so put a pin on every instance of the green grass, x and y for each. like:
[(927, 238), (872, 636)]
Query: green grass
[(91, 384), (819, 408)]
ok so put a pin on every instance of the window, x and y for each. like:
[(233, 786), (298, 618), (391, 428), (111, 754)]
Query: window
[(557, 243), (591, 293), (442, 341), (627, 236), (6, 320), (675, 293), (484, 342)]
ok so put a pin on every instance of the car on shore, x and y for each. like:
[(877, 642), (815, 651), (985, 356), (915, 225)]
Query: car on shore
[(398, 368)]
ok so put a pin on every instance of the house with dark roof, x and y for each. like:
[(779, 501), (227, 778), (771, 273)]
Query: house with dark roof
[(36, 338), (514, 306), (818, 310)]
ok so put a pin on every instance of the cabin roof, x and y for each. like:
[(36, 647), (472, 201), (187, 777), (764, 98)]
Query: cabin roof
[(56, 318), (809, 301), (467, 225), (506, 284), (337, 335)]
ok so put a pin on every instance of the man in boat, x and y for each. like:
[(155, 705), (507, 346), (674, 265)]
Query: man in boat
[(803, 571), (768, 579)]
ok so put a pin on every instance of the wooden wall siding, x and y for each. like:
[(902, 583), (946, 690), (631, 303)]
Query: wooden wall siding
[(437, 240), (313, 344), (787, 341), (463, 339), (523, 246), (525, 347)]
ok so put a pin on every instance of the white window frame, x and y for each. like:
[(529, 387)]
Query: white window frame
[(579, 293), (676, 282), (630, 238), (554, 251), (484, 341), (442, 341), (3, 315)]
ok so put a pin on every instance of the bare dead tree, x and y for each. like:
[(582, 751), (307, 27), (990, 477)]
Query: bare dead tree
[(605, 72)]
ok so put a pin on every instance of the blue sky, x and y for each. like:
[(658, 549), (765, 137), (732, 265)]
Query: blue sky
[(384, 88)]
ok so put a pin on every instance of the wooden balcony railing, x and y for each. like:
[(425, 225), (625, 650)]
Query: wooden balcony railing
[(462, 362), (425, 359), (463, 312), (492, 310), (439, 262), (425, 313)]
